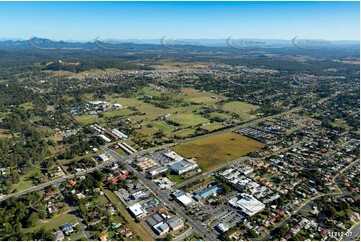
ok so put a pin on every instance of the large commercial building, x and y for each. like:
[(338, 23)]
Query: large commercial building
[(247, 204), (183, 166)]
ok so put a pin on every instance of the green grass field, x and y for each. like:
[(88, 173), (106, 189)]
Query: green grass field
[(53, 223), (150, 91), (88, 119), (205, 97), (117, 112), (27, 106), (151, 112), (176, 178), (213, 126), (196, 96), (162, 126), (219, 115), (121, 152), (24, 181), (147, 131), (241, 108), (214, 151), (184, 132), (155, 127), (22, 185), (187, 119)]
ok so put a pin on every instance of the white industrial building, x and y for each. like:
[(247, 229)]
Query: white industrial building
[(119, 134), (137, 210), (104, 157), (103, 137), (185, 200)]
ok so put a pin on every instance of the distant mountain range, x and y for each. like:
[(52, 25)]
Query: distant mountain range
[(43, 42)]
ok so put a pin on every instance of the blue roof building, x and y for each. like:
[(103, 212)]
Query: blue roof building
[(203, 194)]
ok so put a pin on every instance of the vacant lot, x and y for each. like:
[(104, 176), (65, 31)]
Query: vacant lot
[(187, 119), (213, 151), (241, 108)]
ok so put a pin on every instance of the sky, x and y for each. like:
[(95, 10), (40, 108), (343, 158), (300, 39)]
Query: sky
[(180, 20)]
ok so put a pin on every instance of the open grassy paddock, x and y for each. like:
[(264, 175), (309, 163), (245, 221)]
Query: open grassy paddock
[(196, 96), (241, 108), (27, 106), (88, 119), (184, 132), (214, 151), (213, 126), (187, 119), (117, 112), (53, 223)]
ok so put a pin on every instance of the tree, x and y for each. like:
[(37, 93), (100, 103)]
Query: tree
[(32, 220), (17, 228), (42, 212), (330, 212), (169, 237), (252, 233), (43, 234)]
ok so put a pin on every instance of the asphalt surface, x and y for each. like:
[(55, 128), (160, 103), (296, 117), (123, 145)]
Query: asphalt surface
[(352, 234)]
